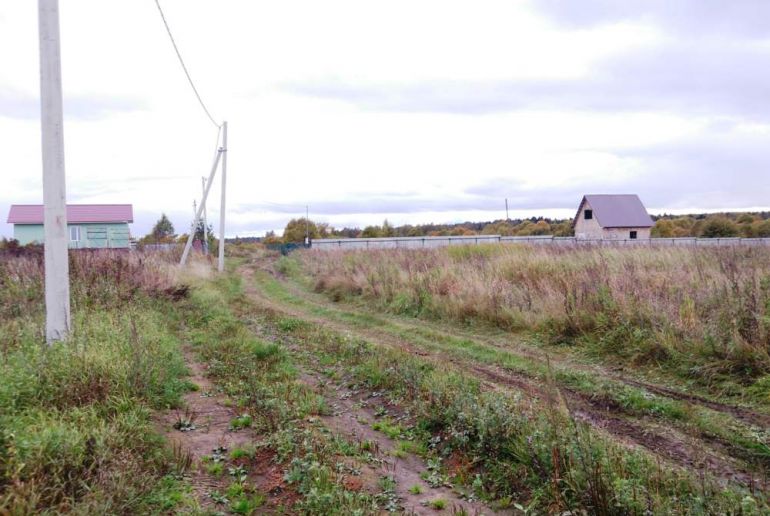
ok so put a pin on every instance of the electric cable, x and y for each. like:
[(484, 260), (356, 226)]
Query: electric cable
[(184, 67)]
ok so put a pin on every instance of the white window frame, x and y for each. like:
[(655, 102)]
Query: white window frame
[(77, 233)]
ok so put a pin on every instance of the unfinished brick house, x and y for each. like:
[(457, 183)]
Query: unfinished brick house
[(612, 217)]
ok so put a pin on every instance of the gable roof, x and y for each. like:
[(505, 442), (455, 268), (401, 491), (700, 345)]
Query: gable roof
[(616, 211), (76, 213)]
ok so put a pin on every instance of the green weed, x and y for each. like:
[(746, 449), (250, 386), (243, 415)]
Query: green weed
[(438, 504)]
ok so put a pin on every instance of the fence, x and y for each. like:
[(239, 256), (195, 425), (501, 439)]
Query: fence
[(432, 242), (285, 249), (158, 247)]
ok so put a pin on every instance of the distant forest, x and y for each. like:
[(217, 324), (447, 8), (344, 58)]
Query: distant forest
[(749, 225)]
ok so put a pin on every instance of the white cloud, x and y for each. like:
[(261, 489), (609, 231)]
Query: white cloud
[(147, 142)]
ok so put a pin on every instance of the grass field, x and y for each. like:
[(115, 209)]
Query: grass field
[(586, 327), (455, 381), (702, 315)]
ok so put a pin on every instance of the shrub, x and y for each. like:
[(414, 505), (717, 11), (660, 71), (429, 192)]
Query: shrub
[(719, 227)]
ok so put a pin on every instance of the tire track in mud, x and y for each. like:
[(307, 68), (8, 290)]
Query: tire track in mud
[(744, 414), (665, 443), (600, 414), (350, 420)]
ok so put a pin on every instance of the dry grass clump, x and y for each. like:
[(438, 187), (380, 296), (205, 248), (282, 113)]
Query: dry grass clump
[(708, 308), (97, 278)]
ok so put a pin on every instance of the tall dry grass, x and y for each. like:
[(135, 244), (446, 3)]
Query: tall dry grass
[(104, 278), (706, 309)]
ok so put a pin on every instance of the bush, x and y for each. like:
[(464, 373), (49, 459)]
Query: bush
[(719, 227), (297, 229)]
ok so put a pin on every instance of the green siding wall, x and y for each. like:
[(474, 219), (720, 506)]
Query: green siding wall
[(92, 236), (28, 233)]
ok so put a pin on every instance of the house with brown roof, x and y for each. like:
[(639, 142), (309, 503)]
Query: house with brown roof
[(612, 217), (90, 226)]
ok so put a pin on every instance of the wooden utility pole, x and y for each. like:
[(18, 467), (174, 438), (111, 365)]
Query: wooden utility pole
[(57, 284), (221, 265), (205, 223)]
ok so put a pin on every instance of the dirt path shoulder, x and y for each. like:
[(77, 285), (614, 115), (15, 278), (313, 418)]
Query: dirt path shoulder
[(352, 418), (201, 433)]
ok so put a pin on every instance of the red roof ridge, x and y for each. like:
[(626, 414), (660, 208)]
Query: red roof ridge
[(76, 213)]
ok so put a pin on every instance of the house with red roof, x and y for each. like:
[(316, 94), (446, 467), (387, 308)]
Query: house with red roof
[(612, 217), (90, 226)]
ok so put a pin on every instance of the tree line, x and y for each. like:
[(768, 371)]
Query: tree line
[(719, 225), (748, 225)]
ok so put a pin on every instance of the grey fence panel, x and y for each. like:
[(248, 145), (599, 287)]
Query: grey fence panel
[(436, 242), (410, 243)]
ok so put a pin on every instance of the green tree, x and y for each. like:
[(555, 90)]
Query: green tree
[(371, 232), (719, 226), (296, 230), (324, 231), (686, 226), (163, 230), (762, 229), (541, 227), (387, 229), (270, 238), (499, 228), (461, 231), (199, 234), (696, 229), (563, 229), (663, 228)]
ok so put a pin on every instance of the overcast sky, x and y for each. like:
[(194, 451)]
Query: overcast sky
[(418, 111)]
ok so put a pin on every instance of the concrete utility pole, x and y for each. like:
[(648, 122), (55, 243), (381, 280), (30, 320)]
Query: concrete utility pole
[(506, 209), (221, 265), (57, 284), (197, 217), (307, 224), (194, 224), (205, 223)]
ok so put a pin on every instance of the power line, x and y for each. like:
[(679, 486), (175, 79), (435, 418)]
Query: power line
[(216, 147), (181, 61)]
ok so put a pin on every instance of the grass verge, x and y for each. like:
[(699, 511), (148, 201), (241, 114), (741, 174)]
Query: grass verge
[(76, 432)]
